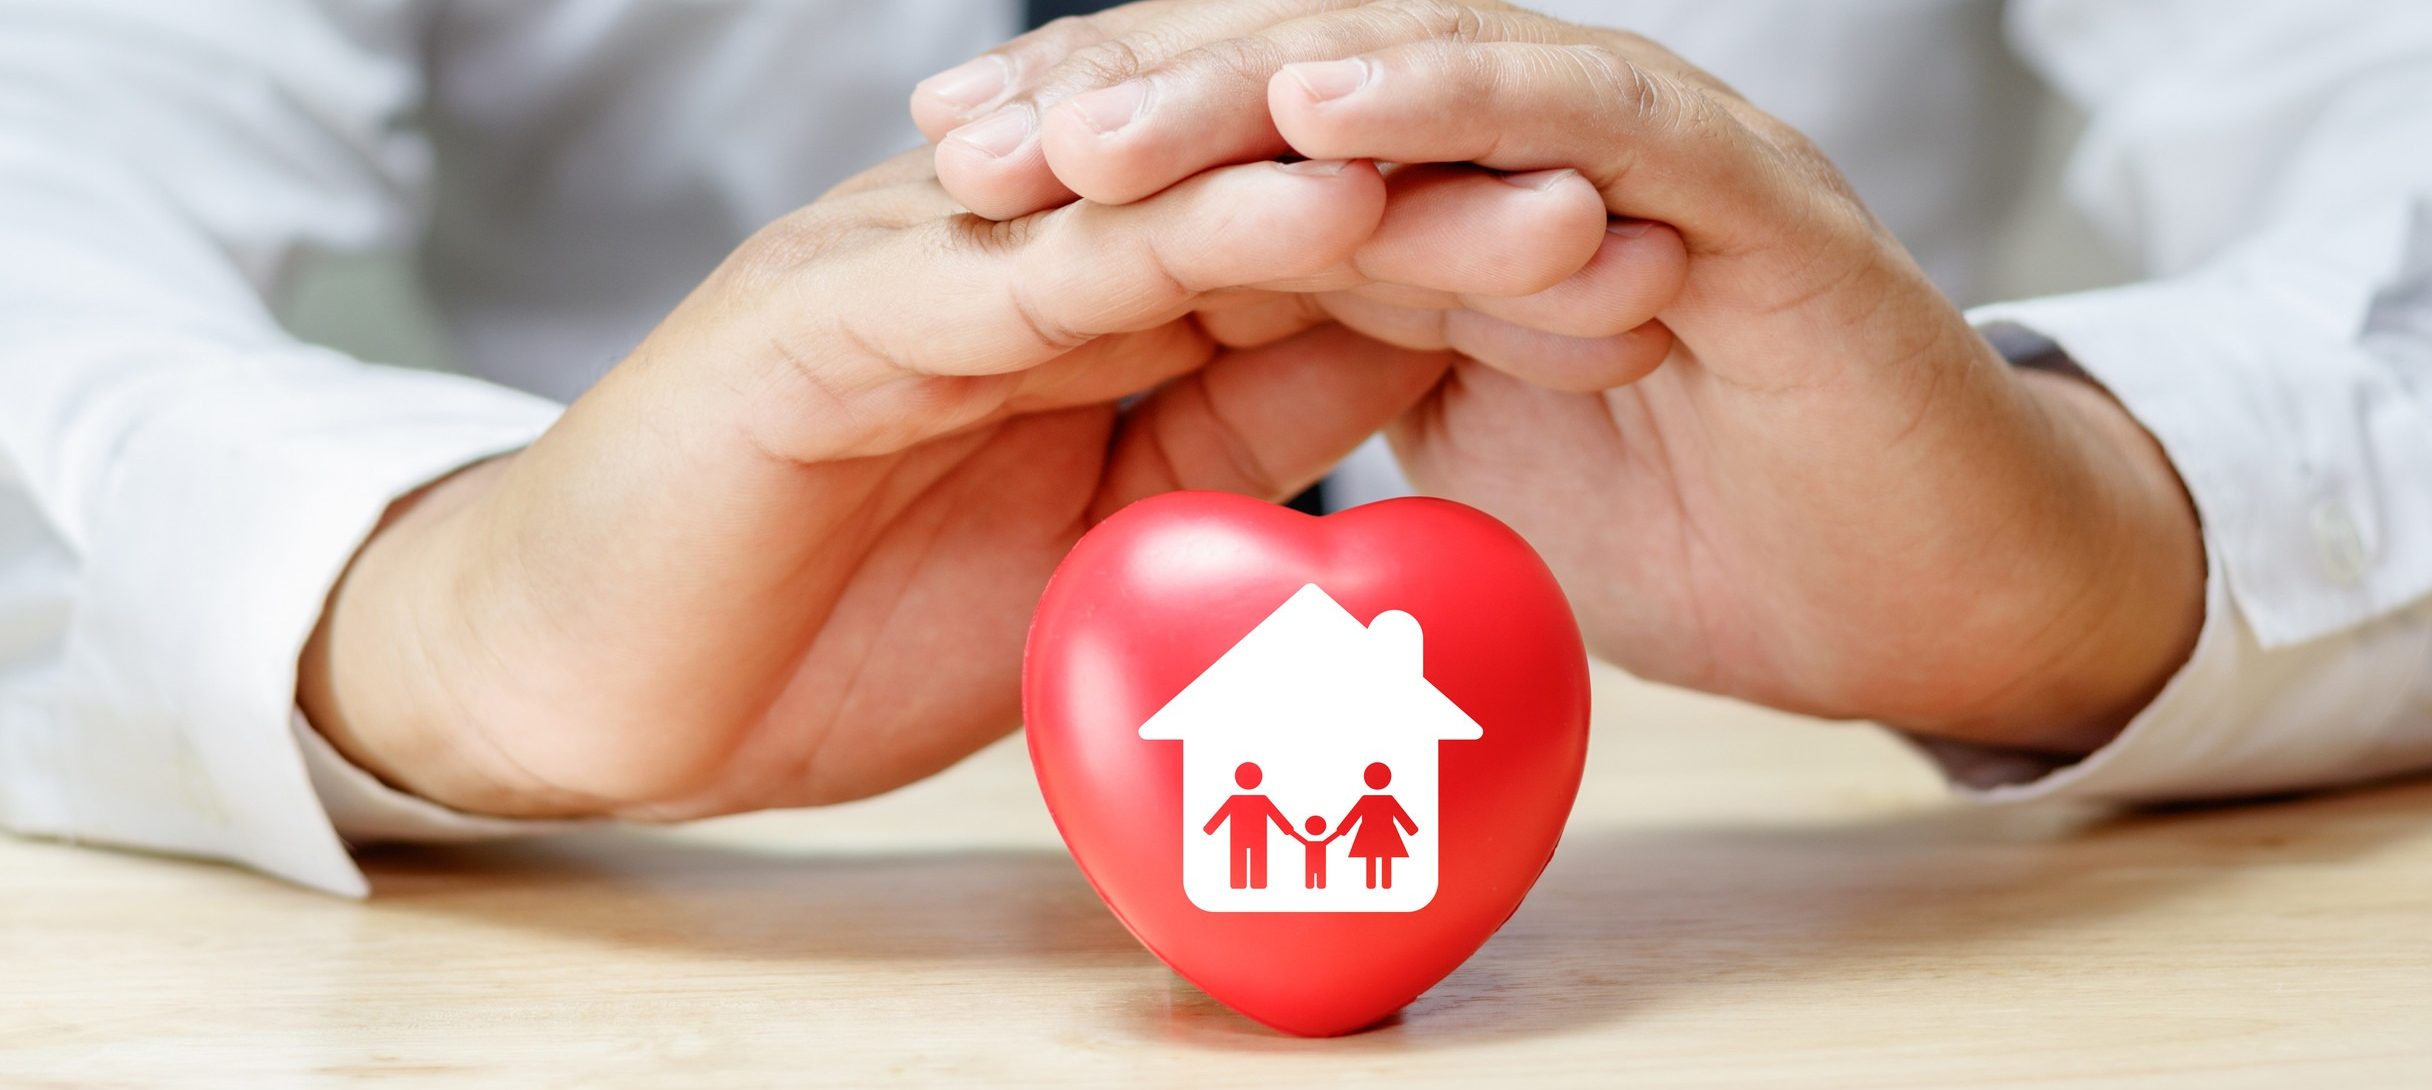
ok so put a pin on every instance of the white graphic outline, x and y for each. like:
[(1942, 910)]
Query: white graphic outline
[(1312, 715)]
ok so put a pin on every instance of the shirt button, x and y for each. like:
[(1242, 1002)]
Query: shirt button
[(2341, 545)]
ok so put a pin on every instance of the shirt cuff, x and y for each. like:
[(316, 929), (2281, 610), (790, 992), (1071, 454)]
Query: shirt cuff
[(233, 496)]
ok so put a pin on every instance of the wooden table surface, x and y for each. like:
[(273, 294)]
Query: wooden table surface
[(1743, 900)]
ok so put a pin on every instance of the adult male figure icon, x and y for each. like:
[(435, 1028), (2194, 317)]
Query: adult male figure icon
[(1249, 814)]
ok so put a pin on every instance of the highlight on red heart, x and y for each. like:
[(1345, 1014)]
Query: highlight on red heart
[(1311, 763)]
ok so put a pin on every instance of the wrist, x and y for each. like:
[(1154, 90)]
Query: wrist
[(490, 648), (2129, 592), (372, 679)]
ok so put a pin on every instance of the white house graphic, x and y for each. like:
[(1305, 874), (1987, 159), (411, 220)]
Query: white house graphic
[(1315, 720)]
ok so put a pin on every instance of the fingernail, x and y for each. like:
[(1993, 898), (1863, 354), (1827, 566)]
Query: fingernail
[(1319, 167), (1109, 109), (970, 83), (997, 135), (1330, 79), (1538, 179), (1628, 227)]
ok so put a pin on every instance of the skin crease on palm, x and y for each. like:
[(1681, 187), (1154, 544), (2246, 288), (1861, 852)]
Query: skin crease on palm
[(1766, 456)]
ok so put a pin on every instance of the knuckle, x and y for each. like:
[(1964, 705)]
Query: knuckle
[(1033, 59), (1607, 68), (1246, 61), (1837, 202), (1653, 99), (968, 232), (1041, 325), (786, 246), (1474, 72), (1440, 18), (1625, 83), (1812, 172), (1785, 137), (1163, 281), (1698, 111), (1107, 63)]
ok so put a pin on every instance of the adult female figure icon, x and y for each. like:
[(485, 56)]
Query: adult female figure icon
[(1377, 824)]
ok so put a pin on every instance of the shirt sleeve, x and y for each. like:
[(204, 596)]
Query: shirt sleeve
[(181, 482), (2266, 163)]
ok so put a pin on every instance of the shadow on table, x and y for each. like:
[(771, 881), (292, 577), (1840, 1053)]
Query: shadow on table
[(648, 889), (1622, 919)]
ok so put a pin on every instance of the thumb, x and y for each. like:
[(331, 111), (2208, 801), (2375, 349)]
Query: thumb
[(1264, 421)]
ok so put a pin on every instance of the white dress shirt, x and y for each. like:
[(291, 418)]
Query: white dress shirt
[(182, 479)]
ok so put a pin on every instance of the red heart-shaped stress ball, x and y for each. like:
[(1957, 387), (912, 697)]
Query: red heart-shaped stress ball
[(1311, 762)]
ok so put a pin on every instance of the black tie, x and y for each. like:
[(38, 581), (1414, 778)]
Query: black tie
[(1035, 13)]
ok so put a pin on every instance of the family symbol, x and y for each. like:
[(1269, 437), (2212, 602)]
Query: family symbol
[(1376, 824), (1313, 717)]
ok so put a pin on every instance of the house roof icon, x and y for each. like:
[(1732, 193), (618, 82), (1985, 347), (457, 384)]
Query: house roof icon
[(1312, 666)]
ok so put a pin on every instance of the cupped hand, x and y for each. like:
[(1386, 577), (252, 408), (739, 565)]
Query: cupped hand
[(1767, 456), (786, 551)]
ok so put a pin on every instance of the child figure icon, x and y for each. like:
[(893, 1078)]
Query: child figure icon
[(1313, 713), (1313, 854)]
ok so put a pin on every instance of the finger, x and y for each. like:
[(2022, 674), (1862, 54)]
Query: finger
[(1401, 295), (1259, 318), (1265, 421), (1657, 146), (1551, 360), (1453, 233), (990, 158), (967, 297), (967, 90), (1470, 232), (995, 168), (1637, 272), (1580, 364), (1421, 329), (1208, 105), (1114, 367)]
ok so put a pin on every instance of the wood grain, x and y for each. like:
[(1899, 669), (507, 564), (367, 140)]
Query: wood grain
[(1743, 900)]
